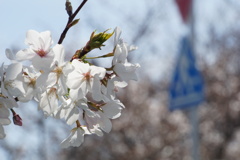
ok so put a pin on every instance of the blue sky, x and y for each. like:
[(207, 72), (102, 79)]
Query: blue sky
[(95, 15), (19, 16)]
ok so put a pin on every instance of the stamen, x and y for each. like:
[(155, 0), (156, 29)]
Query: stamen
[(87, 76), (41, 53)]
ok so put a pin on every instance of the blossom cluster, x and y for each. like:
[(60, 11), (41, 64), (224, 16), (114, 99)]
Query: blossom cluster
[(76, 91)]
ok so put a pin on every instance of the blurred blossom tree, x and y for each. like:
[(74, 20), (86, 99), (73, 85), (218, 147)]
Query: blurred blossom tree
[(149, 131), (221, 114)]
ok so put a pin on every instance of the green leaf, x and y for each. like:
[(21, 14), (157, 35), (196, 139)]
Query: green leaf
[(73, 23)]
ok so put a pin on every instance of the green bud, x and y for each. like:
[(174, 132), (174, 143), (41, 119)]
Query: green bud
[(97, 40)]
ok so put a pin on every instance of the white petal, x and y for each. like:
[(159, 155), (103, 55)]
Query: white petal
[(32, 38), (59, 54), (126, 71), (120, 54), (112, 109), (51, 79), (74, 80), (26, 54), (132, 48), (5, 121), (80, 66), (62, 87), (8, 103), (75, 139), (105, 123), (47, 39), (68, 68), (72, 115), (95, 129), (13, 70), (9, 54), (41, 80), (42, 63), (76, 94), (96, 89), (98, 71), (2, 133), (15, 88), (117, 34), (120, 84), (84, 88), (4, 112)]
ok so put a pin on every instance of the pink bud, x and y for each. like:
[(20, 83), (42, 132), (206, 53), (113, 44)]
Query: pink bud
[(17, 120)]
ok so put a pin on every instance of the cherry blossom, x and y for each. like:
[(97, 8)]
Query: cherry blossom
[(59, 70), (76, 91), (122, 68), (12, 80), (84, 79), (39, 51), (49, 101)]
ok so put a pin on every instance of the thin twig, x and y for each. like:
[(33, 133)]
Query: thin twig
[(70, 19)]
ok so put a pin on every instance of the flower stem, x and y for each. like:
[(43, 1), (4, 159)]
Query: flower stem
[(70, 19), (13, 112), (103, 56), (78, 123)]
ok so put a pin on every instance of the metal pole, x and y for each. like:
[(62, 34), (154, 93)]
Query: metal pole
[(193, 111), (193, 115), (192, 25)]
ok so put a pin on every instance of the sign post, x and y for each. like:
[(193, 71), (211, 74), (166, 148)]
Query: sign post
[(187, 88), (195, 132)]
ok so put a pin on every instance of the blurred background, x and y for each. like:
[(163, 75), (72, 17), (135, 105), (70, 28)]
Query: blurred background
[(147, 130)]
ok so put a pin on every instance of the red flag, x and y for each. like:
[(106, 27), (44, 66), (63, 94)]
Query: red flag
[(184, 8)]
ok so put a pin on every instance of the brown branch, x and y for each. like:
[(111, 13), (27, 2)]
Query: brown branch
[(70, 19)]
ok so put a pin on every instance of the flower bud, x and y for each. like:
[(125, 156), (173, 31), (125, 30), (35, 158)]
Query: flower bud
[(68, 7), (96, 41), (17, 120)]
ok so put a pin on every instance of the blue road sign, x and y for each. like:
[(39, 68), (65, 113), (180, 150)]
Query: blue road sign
[(186, 89)]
